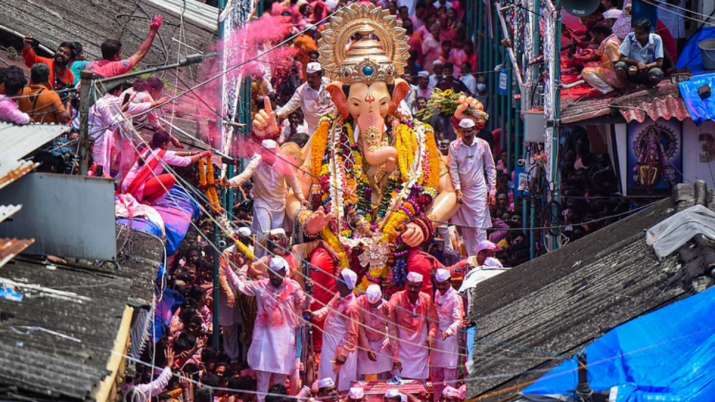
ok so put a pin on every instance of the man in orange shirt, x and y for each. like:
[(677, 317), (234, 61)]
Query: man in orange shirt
[(61, 76), (39, 100)]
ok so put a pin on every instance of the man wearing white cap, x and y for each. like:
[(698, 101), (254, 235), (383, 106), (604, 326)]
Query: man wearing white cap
[(356, 394), (269, 190), (230, 316), (280, 302), (485, 249), (421, 90), (338, 359), (373, 357), (326, 390), (470, 160), (450, 313), (413, 327), (311, 97), (394, 395), (451, 394)]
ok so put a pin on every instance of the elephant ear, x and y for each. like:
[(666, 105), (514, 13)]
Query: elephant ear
[(335, 89), (402, 88)]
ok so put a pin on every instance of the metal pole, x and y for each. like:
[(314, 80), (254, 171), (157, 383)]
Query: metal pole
[(509, 50), (86, 100), (555, 174), (217, 231), (532, 224)]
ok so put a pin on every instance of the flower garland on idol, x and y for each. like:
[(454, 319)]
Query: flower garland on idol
[(345, 193)]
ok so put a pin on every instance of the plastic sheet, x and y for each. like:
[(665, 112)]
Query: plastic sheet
[(672, 233), (178, 210), (691, 59), (667, 355), (701, 110)]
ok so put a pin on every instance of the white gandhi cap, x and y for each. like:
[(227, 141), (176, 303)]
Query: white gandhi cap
[(314, 67), (269, 144), (326, 382), (349, 277), (414, 277), (356, 393), (466, 123), (278, 264), (442, 275), (373, 293)]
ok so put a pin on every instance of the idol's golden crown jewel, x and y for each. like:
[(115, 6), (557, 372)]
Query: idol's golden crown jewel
[(363, 43)]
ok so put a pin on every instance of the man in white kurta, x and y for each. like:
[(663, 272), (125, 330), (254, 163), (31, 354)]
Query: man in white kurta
[(338, 357), (413, 327), (450, 313), (373, 356), (470, 159), (271, 180), (311, 97), (280, 302)]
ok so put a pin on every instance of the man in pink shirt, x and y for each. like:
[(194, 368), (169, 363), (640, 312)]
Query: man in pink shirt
[(280, 301), (373, 357), (112, 64), (412, 326), (450, 312), (14, 80)]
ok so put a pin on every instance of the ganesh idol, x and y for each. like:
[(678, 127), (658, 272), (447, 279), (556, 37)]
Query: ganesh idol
[(377, 182)]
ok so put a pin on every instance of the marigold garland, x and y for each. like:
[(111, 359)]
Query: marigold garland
[(434, 156), (334, 243), (318, 147)]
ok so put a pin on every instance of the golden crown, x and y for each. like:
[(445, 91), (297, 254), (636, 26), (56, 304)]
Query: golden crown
[(363, 43)]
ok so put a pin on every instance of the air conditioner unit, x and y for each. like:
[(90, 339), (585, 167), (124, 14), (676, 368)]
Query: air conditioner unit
[(534, 126)]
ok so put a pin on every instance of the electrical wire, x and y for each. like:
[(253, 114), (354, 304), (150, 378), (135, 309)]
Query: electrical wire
[(208, 214), (169, 168)]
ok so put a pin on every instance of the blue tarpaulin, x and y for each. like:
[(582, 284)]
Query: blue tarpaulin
[(667, 355), (177, 209), (690, 58), (701, 110)]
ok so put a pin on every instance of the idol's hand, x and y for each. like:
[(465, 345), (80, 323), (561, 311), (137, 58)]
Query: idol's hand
[(316, 222), (413, 236), (264, 122)]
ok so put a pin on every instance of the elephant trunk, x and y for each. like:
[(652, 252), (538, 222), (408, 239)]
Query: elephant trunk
[(372, 130)]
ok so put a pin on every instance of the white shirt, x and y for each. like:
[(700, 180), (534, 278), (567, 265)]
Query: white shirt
[(410, 4), (470, 82), (269, 184), (315, 104), (652, 51), (433, 80)]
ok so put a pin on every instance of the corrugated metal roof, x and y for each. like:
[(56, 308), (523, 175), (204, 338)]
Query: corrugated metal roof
[(198, 13), (91, 22), (9, 248), (664, 107), (662, 102), (57, 341), (13, 170), (7, 211), (578, 111), (18, 141), (537, 314)]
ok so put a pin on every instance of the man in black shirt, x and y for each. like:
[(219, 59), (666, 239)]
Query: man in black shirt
[(448, 81)]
